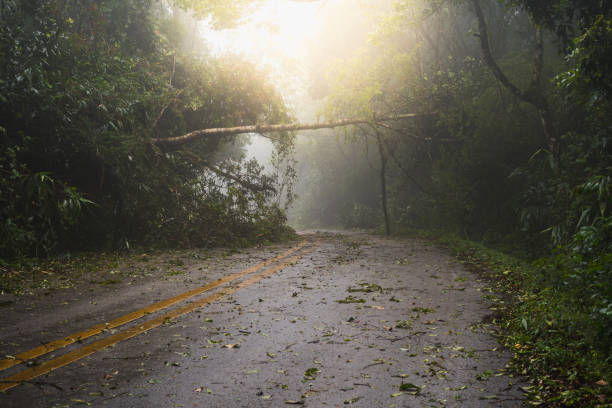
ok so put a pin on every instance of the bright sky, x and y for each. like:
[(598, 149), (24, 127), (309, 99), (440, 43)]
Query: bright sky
[(278, 29), (275, 36)]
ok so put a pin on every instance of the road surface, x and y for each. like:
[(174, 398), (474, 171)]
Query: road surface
[(336, 320)]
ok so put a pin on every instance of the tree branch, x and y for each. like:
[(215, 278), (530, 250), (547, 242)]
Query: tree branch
[(161, 113), (198, 134), (247, 184), (533, 94), (251, 186), (405, 132), (406, 173), (488, 57)]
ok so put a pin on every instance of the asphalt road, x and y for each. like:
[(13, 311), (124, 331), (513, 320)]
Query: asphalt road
[(343, 320)]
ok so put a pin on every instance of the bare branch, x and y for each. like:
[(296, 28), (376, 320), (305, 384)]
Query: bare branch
[(161, 113), (244, 183), (198, 134), (405, 132), (533, 94), (488, 57), (406, 173), (251, 186)]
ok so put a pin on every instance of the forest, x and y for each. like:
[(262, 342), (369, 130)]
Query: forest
[(505, 156)]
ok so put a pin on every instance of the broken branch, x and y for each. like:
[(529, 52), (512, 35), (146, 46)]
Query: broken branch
[(198, 134)]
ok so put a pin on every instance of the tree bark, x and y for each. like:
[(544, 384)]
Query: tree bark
[(176, 141)]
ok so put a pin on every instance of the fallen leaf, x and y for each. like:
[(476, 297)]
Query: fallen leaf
[(410, 388), (602, 382), (352, 400), (231, 346), (199, 389), (311, 374), (351, 299)]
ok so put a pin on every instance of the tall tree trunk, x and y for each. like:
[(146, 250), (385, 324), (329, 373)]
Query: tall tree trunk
[(383, 183)]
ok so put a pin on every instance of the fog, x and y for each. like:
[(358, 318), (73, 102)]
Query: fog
[(298, 44)]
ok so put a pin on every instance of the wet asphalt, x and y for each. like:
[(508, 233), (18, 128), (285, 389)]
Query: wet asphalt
[(362, 321)]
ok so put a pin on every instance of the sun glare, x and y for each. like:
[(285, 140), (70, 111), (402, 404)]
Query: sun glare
[(278, 28)]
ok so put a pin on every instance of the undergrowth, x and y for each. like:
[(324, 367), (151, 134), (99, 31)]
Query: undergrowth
[(554, 321)]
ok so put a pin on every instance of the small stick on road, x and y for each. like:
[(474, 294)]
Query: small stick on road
[(37, 383)]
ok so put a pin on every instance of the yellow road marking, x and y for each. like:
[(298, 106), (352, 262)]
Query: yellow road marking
[(92, 331), (92, 348)]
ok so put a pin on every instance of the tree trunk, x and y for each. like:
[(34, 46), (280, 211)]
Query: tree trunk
[(383, 183), (197, 134)]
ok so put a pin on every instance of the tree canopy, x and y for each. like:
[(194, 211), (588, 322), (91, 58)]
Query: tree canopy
[(85, 85)]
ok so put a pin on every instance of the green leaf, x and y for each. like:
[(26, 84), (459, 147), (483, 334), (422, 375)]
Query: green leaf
[(410, 388)]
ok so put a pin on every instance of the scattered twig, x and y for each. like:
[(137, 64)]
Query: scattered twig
[(363, 384), (37, 383), (384, 338), (116, 395), (373, 364), (122, 358)]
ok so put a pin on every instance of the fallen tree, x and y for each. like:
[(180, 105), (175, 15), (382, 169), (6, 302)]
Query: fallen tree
[(198, 134)]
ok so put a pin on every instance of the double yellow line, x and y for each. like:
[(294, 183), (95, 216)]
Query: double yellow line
[(28, 374)]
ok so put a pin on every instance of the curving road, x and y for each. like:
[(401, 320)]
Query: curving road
[(340, 319)]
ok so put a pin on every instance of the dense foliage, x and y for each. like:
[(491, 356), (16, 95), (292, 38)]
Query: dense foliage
[(84, 87)]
